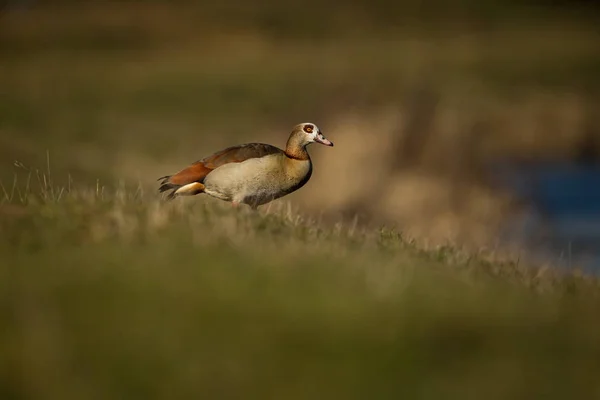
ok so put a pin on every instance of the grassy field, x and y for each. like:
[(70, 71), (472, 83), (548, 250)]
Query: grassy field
[(340, 290), (115, 294)]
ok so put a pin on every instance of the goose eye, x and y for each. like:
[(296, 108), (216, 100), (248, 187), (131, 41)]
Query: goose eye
[(308, 129)]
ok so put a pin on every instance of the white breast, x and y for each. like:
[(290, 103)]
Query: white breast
[(257, 180)]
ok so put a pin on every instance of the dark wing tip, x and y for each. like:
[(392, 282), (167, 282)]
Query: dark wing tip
[(171, 196), (165, 187)]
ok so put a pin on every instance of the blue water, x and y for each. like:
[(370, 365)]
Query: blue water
[(563, 224)]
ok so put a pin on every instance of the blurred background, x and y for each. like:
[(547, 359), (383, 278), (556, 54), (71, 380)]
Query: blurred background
[(473, 122)]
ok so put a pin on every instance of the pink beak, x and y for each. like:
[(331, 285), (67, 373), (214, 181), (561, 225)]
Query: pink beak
[(321, 139)]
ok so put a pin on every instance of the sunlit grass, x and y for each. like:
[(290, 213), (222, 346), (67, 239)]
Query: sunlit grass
[(114, 293)]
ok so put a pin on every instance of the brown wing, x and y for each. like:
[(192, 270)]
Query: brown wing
[(238, 154), (198, 170)]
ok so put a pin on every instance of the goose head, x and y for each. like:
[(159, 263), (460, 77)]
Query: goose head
[(307, 133)]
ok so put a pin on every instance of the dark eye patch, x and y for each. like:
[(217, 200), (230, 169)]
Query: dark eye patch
[(308, 128)]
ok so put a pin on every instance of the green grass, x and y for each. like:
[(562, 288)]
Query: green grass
[(106, 292), (115, 294)]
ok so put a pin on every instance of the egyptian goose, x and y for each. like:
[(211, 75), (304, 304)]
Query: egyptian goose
[(253, 173)]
